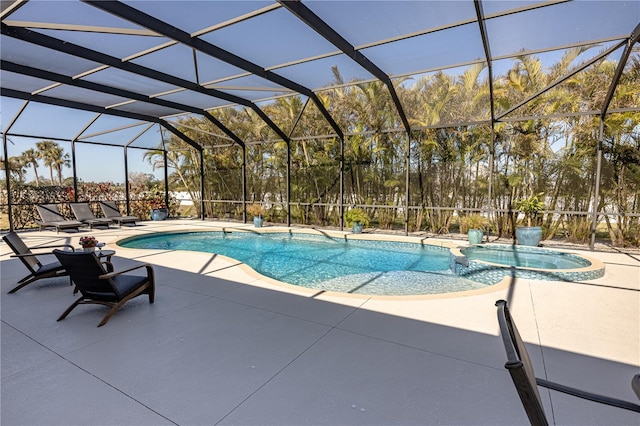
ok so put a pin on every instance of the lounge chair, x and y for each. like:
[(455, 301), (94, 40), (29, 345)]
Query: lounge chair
[(526, 383), (52, 218), (37, 270), (99, 286), (111, 211), (83, 213)]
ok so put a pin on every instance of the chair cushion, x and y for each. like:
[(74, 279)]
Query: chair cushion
[(97, 221), (63, 224), (128, 283), (50, 267), (126, 219)]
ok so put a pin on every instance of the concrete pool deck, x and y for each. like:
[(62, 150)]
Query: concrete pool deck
[(222, 345)]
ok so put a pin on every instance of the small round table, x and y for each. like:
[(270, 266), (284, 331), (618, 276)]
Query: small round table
[(101, 253), (105, 253)]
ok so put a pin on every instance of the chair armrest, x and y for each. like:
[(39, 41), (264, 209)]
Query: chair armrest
[(69, 246), (108, 266), (113, 274), (601, 399), (44, 253)]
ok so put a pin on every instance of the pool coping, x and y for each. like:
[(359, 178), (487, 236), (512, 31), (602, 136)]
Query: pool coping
[(309, 292)]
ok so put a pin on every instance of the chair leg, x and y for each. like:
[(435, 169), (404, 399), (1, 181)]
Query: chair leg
[(70, 308), (110, 314), (117, 306), (31, 278), (635, 384), (151, 284), (23, 282)]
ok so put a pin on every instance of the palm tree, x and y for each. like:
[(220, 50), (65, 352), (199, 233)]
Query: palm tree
[(30, 157), (60, 160), (46, 153), (16, 167), (438, 150), (54, 157)]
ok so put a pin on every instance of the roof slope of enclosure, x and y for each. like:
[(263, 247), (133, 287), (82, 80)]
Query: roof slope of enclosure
[(126, 64)]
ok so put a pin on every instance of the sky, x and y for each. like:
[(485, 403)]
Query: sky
[(97, 163), (93, 163)]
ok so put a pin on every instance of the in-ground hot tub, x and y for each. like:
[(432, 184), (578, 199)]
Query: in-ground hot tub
[(492, 262)]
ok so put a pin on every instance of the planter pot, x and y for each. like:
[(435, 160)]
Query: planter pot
[(356, 228), (529, 235), (258, 221), (89, 249), (159, 214), (475, 236)]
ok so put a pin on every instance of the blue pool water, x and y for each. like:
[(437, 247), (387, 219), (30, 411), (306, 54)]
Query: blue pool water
[(491, 263), (326, 263), (525, 257)]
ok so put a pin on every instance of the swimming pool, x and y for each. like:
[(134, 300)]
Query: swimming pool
[(325, 262)]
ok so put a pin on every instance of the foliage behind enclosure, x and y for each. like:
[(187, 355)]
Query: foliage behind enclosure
[(453, 163)]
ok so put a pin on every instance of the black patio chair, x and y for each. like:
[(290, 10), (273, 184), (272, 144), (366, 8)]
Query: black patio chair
[(37, 269), (526, 383), (99, 286), (52, 218), (111, 211), (83, 213)]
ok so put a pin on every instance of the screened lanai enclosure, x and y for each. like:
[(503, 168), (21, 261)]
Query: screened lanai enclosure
[(421, 113)]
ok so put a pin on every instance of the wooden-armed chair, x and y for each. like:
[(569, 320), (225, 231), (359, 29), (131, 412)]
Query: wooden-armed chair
[(98, 286), (519, 366), (37, 269)]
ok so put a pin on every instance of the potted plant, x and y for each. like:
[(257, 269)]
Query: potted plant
[(157, 205), (256, 210), (356, 218), (475, 225), (88, 243), (158, 210), (530, 235)]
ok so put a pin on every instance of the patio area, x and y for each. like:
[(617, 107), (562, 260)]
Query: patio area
[(223, 346)]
